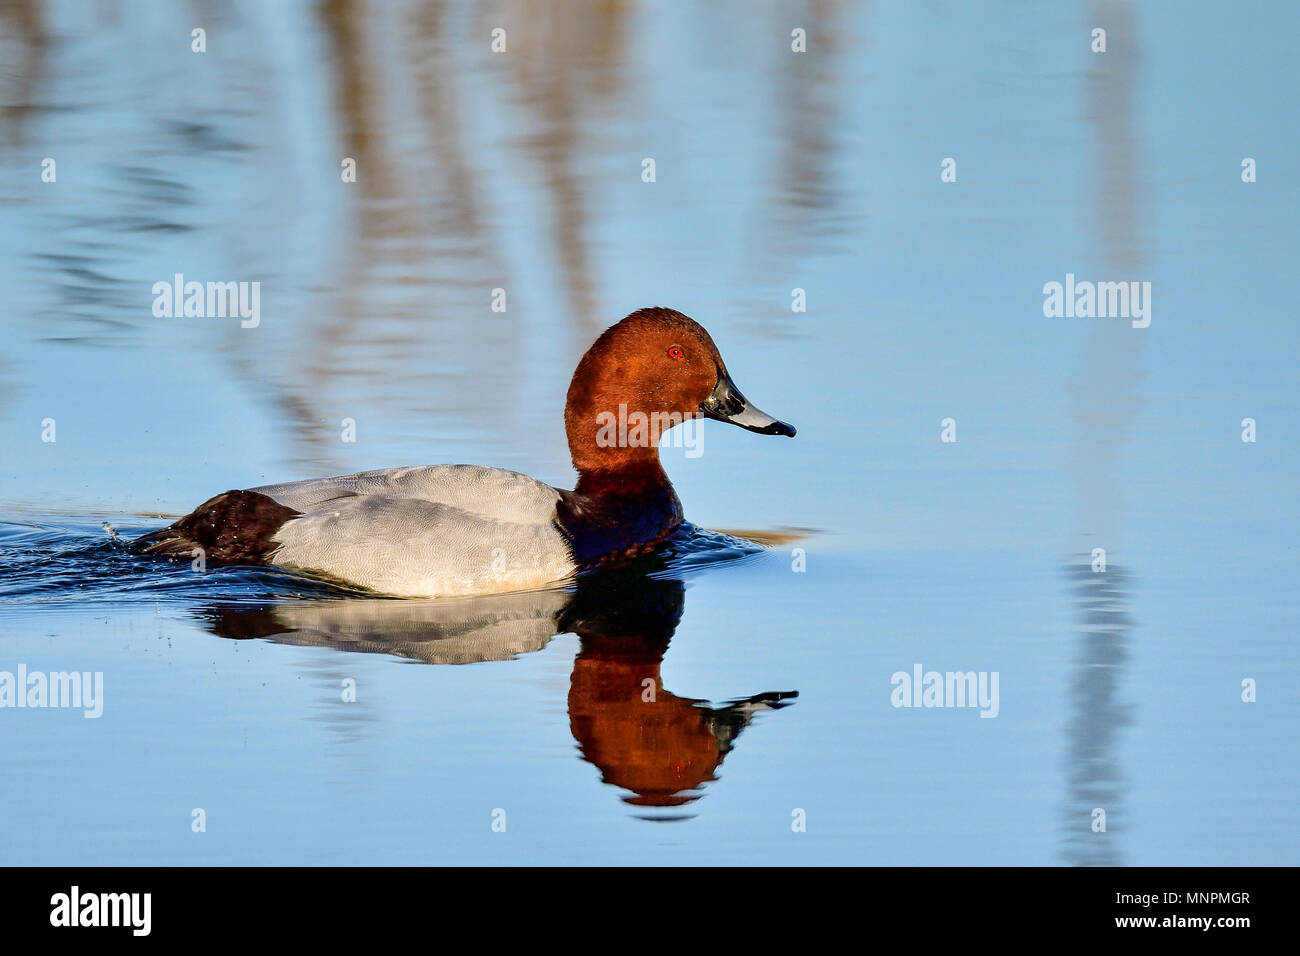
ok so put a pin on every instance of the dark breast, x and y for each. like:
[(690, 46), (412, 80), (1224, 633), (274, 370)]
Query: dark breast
[(606, 528)]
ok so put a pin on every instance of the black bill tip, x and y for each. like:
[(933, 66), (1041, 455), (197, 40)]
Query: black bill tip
[(727, 404)]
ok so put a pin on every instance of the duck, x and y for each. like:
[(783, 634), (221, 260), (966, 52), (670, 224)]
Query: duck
[(434, 531)]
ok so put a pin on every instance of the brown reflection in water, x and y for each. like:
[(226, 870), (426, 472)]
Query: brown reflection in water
[(1112, 86), (639, 735), (566, 64), (403, 325), (803, 198), (1102, 403), (424, 255), (23, 45), (388, 315)]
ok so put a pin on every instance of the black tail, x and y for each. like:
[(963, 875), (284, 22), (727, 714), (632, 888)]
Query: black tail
[(235, 527)]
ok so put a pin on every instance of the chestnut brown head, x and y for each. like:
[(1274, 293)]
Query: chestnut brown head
[(651, 371)]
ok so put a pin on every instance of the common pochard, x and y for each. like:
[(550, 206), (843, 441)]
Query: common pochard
[(454, 530)]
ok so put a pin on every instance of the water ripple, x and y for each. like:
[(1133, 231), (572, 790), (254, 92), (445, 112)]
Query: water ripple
[(75, 561)]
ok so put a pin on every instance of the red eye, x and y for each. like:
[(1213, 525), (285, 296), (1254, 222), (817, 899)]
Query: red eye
[(675, 352)]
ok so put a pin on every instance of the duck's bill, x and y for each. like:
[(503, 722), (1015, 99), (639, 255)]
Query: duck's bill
[(726, 404)]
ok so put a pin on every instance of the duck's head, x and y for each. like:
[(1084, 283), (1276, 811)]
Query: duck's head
[(653, 370)]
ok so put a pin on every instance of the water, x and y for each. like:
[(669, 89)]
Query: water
[(876, 546)]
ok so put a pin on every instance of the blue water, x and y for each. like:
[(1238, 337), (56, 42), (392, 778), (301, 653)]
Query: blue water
[(875, 545)]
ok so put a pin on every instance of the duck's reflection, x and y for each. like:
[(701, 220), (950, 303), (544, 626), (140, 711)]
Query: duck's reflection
[(643, 738)]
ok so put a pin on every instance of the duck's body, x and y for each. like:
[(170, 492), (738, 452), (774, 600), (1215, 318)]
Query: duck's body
[(456, 530), (446, 530)]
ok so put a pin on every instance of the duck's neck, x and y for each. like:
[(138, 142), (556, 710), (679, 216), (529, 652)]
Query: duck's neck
[(642, 475), (618, 512)]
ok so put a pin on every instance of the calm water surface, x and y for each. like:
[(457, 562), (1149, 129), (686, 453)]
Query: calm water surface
[(864, 547)]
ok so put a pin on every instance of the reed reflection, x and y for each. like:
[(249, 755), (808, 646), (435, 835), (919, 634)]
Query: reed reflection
[(1097, 713), (23, 46), (1102, 401), (643, 738)]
